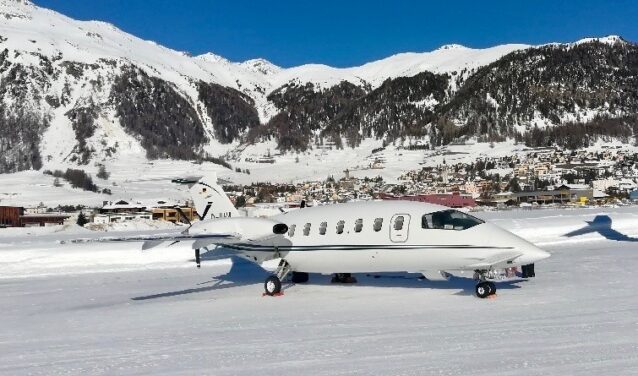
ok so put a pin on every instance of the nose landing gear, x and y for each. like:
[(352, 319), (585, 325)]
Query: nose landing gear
[(484, 288), (272, 285)]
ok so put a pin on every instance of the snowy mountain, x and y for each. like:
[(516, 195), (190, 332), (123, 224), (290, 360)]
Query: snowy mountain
[(80, 93)]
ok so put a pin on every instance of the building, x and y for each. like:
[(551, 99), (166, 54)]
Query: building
[(121, 207), (121, 211), (15, 216), (171, 214), (41, 220), (560, 195), (10, 216), (106, 218), (453, 200)]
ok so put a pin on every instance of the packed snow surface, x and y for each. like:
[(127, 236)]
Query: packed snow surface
[(78, 309)]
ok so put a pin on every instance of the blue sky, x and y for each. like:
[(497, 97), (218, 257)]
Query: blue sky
[(346, 33)]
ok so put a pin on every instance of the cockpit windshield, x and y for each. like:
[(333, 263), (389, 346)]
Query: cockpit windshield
[(449, 220)]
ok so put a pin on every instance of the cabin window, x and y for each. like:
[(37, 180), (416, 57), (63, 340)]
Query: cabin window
[(378, 223), (398, 223), (340, 226), (322, 228), (291, 230), (449, 220), (358, 225), (306, 229)]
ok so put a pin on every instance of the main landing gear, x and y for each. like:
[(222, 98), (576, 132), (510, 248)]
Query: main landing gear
[(343, 278), (299, 277), (484, 288)]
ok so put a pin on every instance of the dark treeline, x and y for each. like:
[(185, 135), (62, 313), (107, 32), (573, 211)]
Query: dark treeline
[(152, 109), (83, 121), (231, 111), (580, 135), (77, 178), (546, 82)]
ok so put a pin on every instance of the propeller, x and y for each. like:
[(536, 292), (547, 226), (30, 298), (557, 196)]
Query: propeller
[(183, 215)]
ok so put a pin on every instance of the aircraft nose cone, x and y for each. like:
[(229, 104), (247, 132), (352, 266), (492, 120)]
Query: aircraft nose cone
[(535, 254), (541, 255)]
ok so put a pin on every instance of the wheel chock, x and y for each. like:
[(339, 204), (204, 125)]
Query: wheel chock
[(273, 295)]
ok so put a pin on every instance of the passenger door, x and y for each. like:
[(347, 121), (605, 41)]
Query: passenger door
[(399, 228)]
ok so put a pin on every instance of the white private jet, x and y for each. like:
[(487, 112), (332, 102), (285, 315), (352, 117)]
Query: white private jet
[(361, 237)]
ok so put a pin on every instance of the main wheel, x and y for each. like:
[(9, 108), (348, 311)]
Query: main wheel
[(492, 287), (343, 278), (483, 290), (299, 277), (272, 285)]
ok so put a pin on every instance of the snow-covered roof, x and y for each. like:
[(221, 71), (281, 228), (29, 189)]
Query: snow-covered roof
[(123, 206)]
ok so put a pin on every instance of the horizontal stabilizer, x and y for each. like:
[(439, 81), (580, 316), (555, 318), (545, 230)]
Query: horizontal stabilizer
[(500, 259)]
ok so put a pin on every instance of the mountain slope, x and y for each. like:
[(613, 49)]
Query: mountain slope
[(77, 93)]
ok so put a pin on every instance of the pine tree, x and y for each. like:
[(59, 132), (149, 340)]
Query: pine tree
[(82, 220), (240, 202), (102, 173)]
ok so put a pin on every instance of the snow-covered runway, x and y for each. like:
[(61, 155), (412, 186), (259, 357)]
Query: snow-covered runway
[(578, 316)]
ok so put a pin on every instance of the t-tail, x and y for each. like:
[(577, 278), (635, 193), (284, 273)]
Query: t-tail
[(210, 200)]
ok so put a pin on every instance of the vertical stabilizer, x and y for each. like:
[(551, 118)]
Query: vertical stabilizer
[(210, 200)]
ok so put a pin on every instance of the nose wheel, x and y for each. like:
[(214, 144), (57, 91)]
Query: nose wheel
[(272, 285), (485, 289)]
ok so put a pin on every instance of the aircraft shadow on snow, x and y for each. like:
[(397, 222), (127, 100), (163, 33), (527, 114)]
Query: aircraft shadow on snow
[(602, 225), (243, 273)]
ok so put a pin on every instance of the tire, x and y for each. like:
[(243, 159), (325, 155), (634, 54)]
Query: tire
[(483, 290), (344, 278), (492, 287), (299, 277), (272, 285)]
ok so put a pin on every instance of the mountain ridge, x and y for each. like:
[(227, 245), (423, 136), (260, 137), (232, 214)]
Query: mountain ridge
[(75, 92)]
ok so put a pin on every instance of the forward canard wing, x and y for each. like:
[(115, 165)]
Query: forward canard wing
[(495, 261)]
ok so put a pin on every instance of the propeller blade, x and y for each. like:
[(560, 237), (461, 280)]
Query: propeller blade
[(183, 215)]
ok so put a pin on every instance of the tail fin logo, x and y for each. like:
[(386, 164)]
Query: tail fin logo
[(210, 200)]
